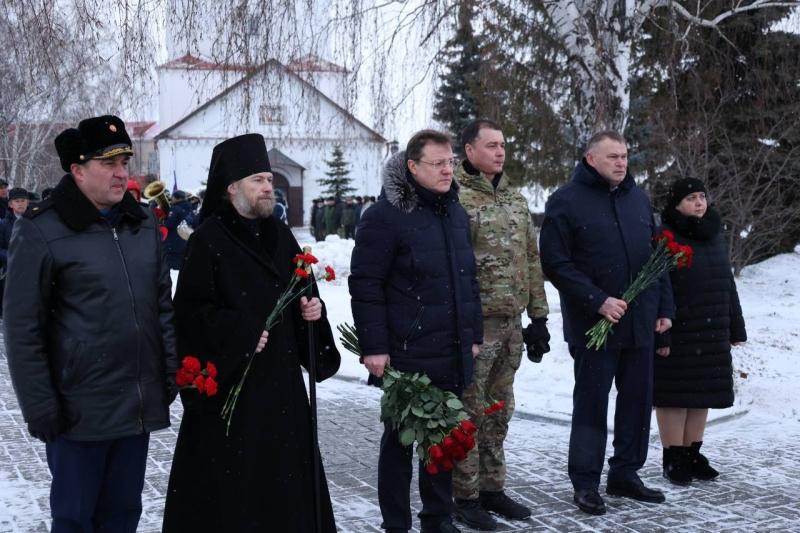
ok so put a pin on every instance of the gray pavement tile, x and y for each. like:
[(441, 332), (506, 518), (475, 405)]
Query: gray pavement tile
[(761, 497)]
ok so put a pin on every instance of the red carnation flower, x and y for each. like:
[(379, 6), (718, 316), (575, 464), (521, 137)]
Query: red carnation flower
[(447, 465), (211, 370), (301, 273), (687, 254), (330, 274), (432, 469), (459, 435), (460, 455), (468, 427), (183, 378), (310, 259), (470, 443), (191, 363), (495, 407), (211, 386), (200, 383), (673, 247), (164, 232), (435, 452), (668, 234)]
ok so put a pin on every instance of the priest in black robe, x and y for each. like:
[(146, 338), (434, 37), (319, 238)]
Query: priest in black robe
[(260, 476)]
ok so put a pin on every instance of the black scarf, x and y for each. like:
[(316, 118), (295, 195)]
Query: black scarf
[(702, 228), (437, 201)]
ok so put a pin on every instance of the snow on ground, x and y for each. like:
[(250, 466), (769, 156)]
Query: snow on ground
[(766, 368)]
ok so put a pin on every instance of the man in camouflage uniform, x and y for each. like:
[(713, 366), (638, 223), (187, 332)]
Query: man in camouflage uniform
[(510, 278)]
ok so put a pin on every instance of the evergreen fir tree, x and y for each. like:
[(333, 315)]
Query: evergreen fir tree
[(337, 184), (455, 103), (487, 77)]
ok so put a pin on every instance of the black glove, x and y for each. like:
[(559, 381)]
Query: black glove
[(47, 428), (172, 389), (537, 339)]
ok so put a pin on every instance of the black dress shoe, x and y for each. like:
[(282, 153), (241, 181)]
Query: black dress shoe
[(634, 488), (589, 501)]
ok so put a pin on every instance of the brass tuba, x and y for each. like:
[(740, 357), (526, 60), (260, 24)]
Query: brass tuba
[(157, 191)]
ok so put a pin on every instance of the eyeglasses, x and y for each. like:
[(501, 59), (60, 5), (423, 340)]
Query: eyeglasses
[(437, 165)]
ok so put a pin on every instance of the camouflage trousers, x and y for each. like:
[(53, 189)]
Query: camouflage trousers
[(484, 469)]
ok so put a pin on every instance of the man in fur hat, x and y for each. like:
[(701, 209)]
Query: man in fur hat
[(416, 307), (88, 330), (260, 475)]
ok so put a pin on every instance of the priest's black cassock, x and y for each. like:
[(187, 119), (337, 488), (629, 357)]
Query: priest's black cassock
[(260, 477)]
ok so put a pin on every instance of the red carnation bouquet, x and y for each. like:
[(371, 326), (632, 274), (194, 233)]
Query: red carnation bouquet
[(191, 375), (667, 255), (301, 280), (422, 413)]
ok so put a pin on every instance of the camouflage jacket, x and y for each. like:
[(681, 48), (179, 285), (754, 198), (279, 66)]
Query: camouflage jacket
[(506, 253)]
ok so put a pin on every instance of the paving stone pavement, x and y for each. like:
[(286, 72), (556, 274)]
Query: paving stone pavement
[(758, 491)]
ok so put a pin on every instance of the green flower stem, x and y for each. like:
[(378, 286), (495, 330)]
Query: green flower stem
[(659, 262), (288, 296)]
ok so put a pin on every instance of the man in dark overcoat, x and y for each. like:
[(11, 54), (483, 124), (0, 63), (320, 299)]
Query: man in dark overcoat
[(88, 330), (596, 237), (416, 307), (260, 476)]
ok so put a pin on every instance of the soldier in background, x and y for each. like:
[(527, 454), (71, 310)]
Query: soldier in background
[(511, 280)]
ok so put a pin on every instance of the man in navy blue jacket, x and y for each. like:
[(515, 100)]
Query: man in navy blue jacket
[(416, 306), (596, 236)]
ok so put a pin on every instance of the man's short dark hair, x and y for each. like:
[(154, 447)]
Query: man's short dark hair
[(423, 138), (601, 136), (473, 129)]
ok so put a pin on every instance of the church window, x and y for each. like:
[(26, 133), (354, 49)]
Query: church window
[(270, 114)]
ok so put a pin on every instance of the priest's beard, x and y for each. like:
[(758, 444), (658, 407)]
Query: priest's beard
[(252, 208)]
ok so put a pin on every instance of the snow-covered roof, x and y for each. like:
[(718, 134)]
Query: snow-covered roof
[(246, 79), (191, 62), (314, 63), (138, 130), (278, 158)]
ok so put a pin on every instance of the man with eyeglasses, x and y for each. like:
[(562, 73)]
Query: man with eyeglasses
[(511, 281), (416, 306)]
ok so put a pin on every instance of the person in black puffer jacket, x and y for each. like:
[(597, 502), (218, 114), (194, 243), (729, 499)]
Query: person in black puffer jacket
[(416, 306), (693, 369)]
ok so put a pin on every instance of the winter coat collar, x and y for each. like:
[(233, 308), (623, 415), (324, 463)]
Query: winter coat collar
[(697, 228), (78, 213), (588, 175), (400, 189), (470, 177), (261, 248)]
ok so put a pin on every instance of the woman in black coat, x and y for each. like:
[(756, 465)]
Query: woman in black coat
[(693, 371)]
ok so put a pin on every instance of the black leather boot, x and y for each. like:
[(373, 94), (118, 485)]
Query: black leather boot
[(473, 515), (499, 502), (676, 465), (698, 464)]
